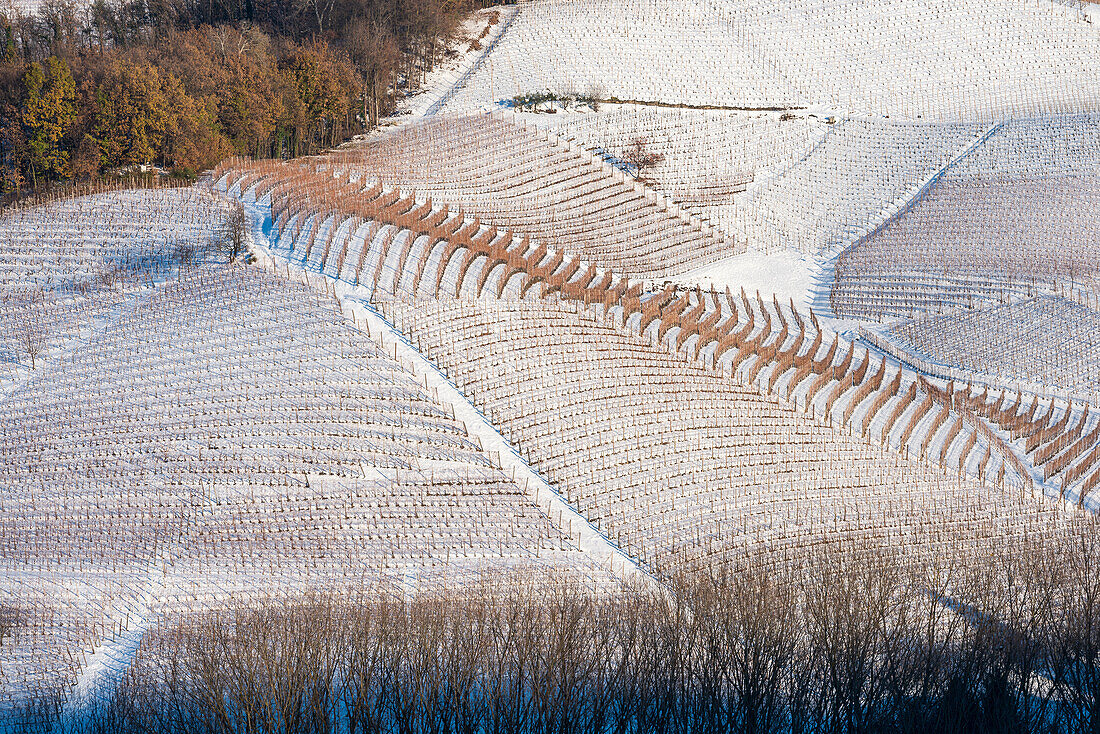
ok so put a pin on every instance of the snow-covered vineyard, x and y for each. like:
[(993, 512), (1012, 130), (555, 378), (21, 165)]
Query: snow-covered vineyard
[(531, 181), (234, 434), (929, 59), (650, 287)]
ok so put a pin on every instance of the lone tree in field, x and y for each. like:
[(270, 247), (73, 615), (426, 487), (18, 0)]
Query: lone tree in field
[(32, 336), (234, 232), (638, 157)]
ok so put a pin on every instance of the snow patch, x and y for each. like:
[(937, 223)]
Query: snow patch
[(786, 273)]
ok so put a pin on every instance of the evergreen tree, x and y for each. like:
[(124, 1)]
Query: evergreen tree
[(49, 110), (327, 86), (7, 50)]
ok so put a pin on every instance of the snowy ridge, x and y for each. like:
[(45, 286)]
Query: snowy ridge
[(947, 61)]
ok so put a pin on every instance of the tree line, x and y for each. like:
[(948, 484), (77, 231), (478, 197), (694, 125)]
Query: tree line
[(181, 84), (834, 642)]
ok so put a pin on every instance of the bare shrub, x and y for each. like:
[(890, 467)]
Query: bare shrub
[(108, 275), (594, 93), (10, 618), (185, 255)]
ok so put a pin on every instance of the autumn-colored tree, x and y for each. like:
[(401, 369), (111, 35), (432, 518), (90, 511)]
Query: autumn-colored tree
[(234, 73), (191, 141), (145, 115), (13, 149), (181, 83), (49, 109), (252, 93), (130, 115), (85, 159)]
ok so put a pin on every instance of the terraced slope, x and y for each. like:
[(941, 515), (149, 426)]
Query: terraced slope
[(682, 465), (522, 178), (232, 439), (179, 434), (1015, 215), (1046, 339), (438, 255), (711, 159), (382, 243), (972, 243), (847, 184)]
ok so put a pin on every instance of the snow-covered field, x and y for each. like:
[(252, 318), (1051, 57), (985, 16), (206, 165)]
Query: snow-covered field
[(848, 183), (1035, 147), (70, 267), (968, 243), (710, 160), (926, 59), (542, 186), (640, 441), (402, 255)]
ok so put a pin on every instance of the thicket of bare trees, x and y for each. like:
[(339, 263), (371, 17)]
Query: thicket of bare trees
[(1006, 643)]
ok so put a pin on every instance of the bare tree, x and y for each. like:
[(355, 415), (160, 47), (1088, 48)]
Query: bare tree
[(376, 52), (845, 637), (10, 618), (321, 11), (32, 334), (640, 159), (234, 232)]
